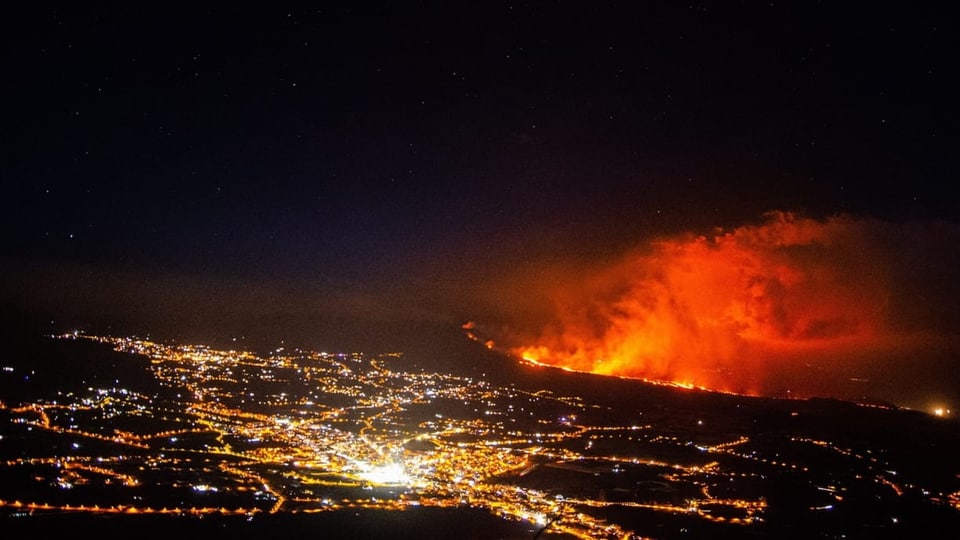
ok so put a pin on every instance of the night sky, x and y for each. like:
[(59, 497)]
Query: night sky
[(323, 175)]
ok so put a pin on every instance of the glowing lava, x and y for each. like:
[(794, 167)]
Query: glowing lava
[(718, 311)]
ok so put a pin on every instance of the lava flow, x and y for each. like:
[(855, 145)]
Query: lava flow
[(726, 311)]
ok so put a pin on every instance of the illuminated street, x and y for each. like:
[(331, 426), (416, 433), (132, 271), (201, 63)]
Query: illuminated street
[(236, 433)]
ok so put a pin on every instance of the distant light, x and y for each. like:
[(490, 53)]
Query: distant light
[(941, 411), (537, 518), (391, 473)]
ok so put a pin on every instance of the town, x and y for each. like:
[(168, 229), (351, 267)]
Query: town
[(230, 432)]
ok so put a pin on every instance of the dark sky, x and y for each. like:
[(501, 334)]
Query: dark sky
[(280, 168)]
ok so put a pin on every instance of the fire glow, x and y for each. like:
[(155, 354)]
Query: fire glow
[(723, 311)]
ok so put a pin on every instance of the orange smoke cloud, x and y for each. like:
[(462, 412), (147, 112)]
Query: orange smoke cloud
[(724, 311)]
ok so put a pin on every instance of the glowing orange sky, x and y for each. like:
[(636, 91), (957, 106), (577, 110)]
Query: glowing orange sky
[(847, 306), (726, 310)]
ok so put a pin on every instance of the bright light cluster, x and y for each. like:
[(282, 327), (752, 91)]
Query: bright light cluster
[(390, 473)]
